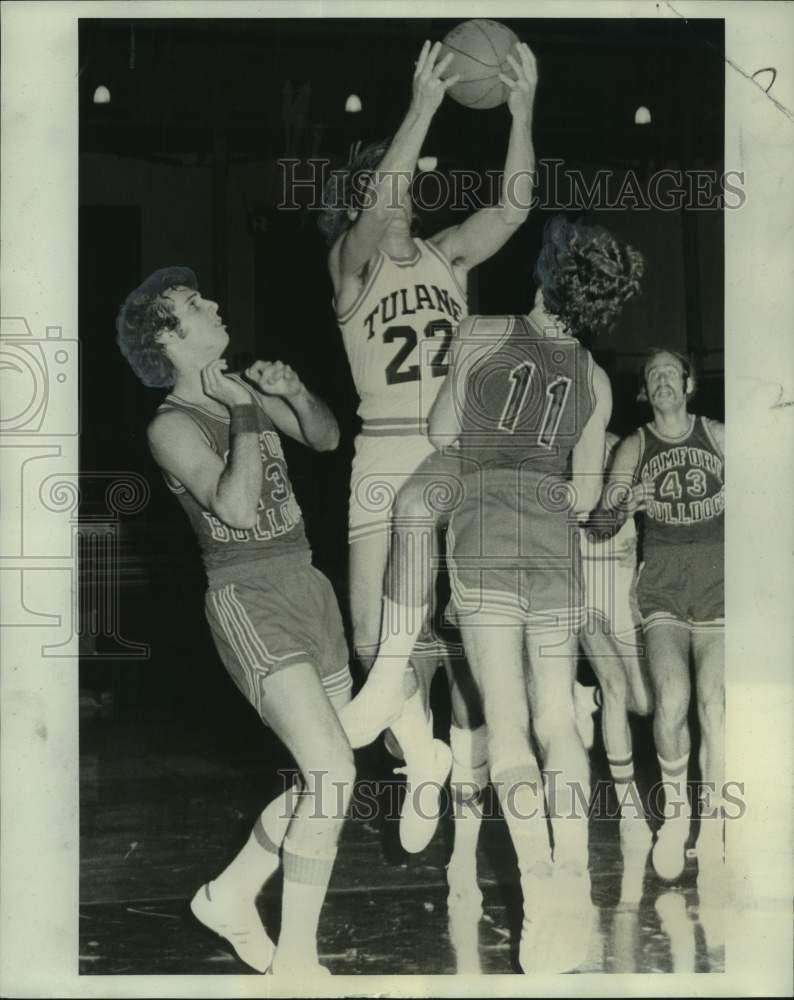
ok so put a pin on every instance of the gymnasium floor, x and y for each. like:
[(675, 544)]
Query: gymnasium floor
[(164, 807)]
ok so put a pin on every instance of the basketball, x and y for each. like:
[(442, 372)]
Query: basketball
[(480, 48)]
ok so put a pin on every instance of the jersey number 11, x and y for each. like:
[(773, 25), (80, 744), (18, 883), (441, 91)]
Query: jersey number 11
[(556, 397)]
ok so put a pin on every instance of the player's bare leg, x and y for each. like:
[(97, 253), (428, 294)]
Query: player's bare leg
[(709, 655), (495, 651), (468, 780), (668, 653), (637, 670), (609, 665), (422, 503), (563, 923), (301, 715), (304, 823)]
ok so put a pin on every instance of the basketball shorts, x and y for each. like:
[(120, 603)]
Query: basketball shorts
[(381, 464), (264, 622), (683, 584), (609, 571), (513, 553)]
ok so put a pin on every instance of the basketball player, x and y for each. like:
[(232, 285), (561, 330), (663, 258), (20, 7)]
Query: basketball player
[(523, 399), (611, 639), (273, 616), (398, 300), (673, 470), (533, 399)]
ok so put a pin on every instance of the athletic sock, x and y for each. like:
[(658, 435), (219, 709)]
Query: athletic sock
[(674, 780), (307, 872), (668, 851), (259, 858), (414, 730), (519, 785), (468, 778), (622, 771)]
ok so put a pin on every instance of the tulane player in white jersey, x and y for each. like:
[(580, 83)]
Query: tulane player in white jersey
[(398, 301)]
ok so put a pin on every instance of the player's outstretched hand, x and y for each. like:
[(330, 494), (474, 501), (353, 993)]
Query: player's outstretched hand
[(218, 385), (429, 87), (523, 85), (274, 378)]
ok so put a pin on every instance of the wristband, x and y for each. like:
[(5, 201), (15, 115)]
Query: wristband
[(244, 419)]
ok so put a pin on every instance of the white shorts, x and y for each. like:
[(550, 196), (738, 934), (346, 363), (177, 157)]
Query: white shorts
[(381, 465)]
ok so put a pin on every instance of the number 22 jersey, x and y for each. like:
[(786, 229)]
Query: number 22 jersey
[(397, 336)]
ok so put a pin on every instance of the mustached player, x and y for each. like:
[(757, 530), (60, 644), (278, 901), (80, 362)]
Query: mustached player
[(273, 616), (398, 301), (673, 469)]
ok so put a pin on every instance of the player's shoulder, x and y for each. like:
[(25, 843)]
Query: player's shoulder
[(715, 430), (172, 427), (600, 384), (441, 242), (715, 426)]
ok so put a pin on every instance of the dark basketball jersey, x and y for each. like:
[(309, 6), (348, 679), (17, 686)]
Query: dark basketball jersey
[(526, 401), (279, 524), (690, 486)]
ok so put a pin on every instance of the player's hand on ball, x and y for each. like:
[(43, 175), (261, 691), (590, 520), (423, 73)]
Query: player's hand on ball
[(217, 384), (522, 87), (428, 86), (274, 378)]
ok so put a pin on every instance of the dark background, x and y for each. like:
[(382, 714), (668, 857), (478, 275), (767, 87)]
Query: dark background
[(182, 168)]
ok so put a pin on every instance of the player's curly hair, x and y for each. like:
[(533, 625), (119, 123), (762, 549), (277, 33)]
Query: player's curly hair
[(144, 315), (586, 275), (344, 189)]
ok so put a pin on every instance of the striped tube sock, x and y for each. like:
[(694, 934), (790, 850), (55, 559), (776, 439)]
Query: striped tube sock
[(519, 786), (622, 771), (307, 872), (259, 858), (674, 780)]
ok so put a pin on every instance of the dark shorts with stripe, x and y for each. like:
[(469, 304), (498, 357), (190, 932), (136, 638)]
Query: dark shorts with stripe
[(264, 620), (513, 552), (683, 584)]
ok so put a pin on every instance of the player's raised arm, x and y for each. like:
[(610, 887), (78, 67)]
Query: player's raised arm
[(294, 410), (231, 490), (483, 233), (391, 182), (587, 458)]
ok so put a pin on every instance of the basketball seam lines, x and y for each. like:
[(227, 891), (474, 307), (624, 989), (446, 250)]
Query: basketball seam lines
[(473, 58), (485, 95), (488, 39)]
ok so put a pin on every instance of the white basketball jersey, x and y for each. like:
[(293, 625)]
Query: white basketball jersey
[(397, 335)]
